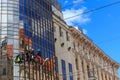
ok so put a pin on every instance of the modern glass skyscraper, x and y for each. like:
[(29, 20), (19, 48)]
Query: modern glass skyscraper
[(25, 25)]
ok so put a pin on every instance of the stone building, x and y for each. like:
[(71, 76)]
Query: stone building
[(78, 57), (27, 25)]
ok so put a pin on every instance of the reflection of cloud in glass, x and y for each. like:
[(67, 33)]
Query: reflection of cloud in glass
[(21, 24), (66, 1)]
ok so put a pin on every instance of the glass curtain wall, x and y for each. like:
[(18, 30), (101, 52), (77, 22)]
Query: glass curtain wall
[(9, 38), (26, 25), (37, 33)]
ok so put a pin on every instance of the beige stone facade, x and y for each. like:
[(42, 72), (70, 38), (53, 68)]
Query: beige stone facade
[(88, 61)]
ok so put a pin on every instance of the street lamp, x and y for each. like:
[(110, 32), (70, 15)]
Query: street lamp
[(46, 59)]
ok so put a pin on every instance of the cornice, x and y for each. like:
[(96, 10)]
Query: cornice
[(92, 46), (61, 23)]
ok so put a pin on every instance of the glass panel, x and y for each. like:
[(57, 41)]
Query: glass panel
[(10, 18), (4, 11), (16, 37), (16, 72), (16, 19), (10, 2), (4, 1), (0, 17), (4, 71), (4, 4), (4, 32), (16, 51), (4, 29), (3, 36), (0, 8), (4, 25), (4, 8), (70, 71), (10, 36), (64, 70), (10, 8), (10, 32), (4, 17), (15, 33), (16, 44), (10, 28), (10, 41)]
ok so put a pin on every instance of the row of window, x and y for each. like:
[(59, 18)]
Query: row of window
[(61, 33), (64, 75)]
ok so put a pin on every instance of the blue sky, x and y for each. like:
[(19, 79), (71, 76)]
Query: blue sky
[(101, 26)]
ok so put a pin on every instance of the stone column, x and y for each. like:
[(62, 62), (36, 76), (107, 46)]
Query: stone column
[(99, 74), (95, 72), (110, 77), (103, 74), (85, 70), (107, 76), (80, 69)]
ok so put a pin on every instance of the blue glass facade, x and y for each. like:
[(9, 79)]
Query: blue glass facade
[(36, 16)]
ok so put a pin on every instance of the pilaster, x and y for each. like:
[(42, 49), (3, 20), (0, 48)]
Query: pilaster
[(103, 75), (85, 70), (80, 69)]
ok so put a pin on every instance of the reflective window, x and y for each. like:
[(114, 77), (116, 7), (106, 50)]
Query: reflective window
[(4, 1), (3, 32), (4, 18), (4, 7), (4, 25), (10, 41), (16, 44), (16, 19), (4, 71), (70, 71), (64, 70), (10, 18)]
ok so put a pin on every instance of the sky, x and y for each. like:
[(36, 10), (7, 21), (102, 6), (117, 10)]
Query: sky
[(101, 26)]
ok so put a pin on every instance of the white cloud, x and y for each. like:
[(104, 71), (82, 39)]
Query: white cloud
[(81, 19), (77, 1), (66, 1), (81, 30), (84, 31)]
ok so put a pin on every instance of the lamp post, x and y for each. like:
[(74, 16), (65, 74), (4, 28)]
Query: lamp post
[(46, 59)]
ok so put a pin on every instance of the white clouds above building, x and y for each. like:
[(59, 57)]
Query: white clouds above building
[(80, 19)]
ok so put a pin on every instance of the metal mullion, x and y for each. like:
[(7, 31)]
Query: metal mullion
[(34, 40), (48, 49), (40, 47), (46, 46), (24, 61), (33, 69), (28, 61), (36, 71)]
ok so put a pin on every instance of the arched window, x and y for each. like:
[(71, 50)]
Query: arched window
[(76, 62)]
